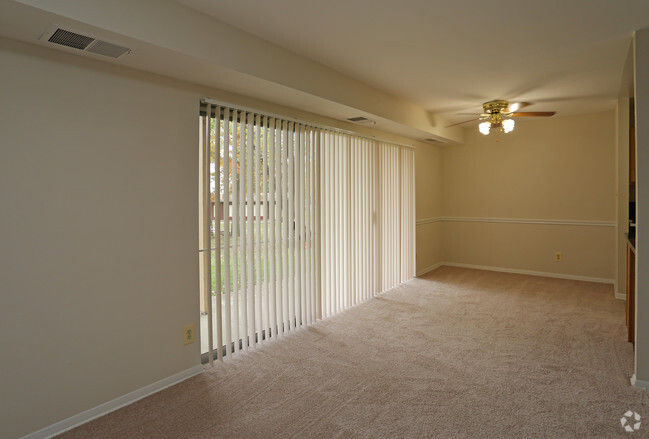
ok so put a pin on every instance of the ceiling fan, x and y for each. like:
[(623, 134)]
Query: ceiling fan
[(499, 113)]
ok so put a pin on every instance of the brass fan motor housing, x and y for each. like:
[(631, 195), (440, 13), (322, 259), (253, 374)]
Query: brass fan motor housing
[(494, 107)]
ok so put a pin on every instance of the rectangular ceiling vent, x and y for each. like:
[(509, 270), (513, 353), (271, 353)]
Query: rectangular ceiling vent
[(86, 43), (362, 120), (431, 140)]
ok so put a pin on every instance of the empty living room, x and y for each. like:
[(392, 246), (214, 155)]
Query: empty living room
[(361, 219)]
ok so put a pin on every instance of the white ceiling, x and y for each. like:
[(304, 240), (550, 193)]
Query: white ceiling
[(450, 56)]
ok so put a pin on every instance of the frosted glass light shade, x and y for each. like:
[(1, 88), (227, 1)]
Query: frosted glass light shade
[(508, 125), (484, 128)]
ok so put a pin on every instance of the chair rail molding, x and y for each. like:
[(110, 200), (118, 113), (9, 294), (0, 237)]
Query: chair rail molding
[(553, 222)]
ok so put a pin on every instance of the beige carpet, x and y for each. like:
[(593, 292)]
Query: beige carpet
[(457, 354)]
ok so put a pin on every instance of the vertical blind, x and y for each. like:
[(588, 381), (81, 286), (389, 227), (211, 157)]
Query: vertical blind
[(297, 223)]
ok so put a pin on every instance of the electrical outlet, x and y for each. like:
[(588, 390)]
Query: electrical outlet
[(189, 335), (558, 257)]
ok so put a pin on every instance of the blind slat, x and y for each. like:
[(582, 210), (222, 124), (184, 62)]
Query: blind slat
[(285, 220), (236, 203), (273, 249), (216, 226), (250, 239), (206, 238), (226, 235)]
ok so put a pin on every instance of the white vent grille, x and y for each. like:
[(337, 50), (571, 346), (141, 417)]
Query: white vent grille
[(431, 140), (86, 43)]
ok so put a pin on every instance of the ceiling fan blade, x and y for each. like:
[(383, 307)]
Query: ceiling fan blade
[(535, 114), (460, 123), (515, 106)]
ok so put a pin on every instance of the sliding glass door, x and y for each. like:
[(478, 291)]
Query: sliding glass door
[(297, 223)]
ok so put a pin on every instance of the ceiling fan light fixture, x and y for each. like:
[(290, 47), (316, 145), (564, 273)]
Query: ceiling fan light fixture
[(498, 115)]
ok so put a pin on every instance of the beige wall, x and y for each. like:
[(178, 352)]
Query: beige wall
[(559, 169), (99, 229), (428, 183)]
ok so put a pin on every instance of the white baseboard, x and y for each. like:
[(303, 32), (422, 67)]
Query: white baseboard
[(639, 383), (428, 269), (110, 406), (532, 273), (618, 294)]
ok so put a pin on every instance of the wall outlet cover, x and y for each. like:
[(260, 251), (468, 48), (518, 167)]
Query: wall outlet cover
[(189, 334)]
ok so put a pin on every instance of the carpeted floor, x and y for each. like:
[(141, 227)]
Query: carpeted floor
[(458, 353)]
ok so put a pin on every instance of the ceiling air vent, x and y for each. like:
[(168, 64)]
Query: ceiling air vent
[(362, 120), (431, 140), (86, 43), (70, 39)]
